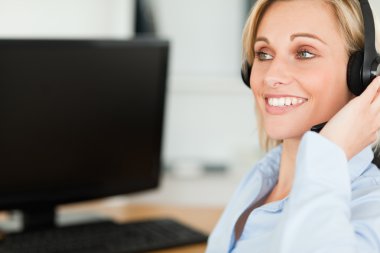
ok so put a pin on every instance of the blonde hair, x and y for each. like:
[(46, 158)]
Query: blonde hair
[(351, 26)]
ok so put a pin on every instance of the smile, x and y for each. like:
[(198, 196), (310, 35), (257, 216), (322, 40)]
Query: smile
[(285, 101), (279, 105)]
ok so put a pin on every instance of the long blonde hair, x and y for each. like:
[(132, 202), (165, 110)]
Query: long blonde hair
[(351, 26)]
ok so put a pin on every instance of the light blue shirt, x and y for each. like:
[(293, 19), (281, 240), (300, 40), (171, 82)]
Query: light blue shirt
[(333, 207)]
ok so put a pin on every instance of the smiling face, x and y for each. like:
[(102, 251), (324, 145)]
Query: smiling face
[(299, 72)]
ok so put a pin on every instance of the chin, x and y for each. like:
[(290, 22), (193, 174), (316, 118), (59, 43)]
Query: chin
[(282, 133)]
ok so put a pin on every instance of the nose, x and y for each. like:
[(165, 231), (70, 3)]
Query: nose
[(278, 73)]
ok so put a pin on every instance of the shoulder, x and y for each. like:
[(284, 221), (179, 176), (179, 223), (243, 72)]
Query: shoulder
[(370, 178), (366, 187), (365, 206)]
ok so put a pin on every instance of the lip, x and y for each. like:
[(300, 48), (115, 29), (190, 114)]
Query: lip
[(274, 110), (266, 96)]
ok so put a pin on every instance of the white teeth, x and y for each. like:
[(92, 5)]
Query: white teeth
[(285, 101)]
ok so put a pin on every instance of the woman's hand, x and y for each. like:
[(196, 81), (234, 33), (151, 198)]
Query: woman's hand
[(356, 125)]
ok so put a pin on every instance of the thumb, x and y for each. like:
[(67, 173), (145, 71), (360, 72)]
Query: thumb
[(371, 91)]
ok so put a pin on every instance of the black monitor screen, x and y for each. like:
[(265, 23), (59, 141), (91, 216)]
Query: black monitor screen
[(79, 119)]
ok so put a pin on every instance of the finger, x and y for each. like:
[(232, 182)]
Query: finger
[(371, 92), (376, 98)]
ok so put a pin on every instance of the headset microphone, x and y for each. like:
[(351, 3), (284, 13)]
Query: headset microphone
[(363, 65)]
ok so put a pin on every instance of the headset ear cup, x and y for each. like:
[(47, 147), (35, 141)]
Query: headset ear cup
[(246, 73), (354, 73)]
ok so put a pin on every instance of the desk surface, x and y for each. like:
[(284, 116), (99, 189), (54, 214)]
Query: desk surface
[(202, 218)]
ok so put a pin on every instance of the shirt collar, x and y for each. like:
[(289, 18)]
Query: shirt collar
[(269, 166)]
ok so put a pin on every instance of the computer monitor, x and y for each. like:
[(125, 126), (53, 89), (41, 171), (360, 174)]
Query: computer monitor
[(79, 120)]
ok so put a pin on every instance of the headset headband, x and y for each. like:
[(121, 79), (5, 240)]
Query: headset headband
[(369, 42)]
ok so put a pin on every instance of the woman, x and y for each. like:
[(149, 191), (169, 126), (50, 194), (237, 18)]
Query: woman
[(313, 192)]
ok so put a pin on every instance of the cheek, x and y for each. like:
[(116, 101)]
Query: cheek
[(257, 92), (333, 79), (256, 81), (329, 93)]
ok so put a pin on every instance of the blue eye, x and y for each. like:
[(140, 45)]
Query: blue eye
[(262, 56), (304, 54)]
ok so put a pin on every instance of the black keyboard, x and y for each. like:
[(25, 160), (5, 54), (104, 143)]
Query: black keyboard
[(104, 237)]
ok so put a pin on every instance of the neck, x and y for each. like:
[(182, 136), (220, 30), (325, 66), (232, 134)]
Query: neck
[(287, 165)]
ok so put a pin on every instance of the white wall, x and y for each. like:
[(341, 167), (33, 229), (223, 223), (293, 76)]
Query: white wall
[(375, 5), (66, 18), (205, 35), (210, 121), (210, 115)]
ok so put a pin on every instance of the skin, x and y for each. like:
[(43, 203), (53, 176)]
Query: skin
[(301, 54)]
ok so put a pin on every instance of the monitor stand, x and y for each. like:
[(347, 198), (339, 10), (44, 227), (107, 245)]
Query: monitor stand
[(36, 218), (29, 219)]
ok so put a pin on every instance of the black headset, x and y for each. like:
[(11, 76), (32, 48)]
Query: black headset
[(363, 65)]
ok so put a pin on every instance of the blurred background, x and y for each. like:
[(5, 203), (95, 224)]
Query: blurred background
[(210, 136)]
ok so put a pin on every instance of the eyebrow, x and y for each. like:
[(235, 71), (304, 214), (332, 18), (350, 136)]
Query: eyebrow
[(307, 35), (293, 36), (262, 39)]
